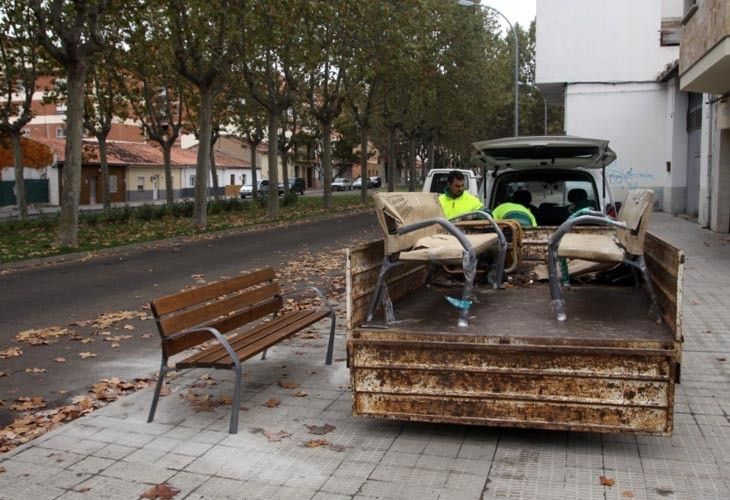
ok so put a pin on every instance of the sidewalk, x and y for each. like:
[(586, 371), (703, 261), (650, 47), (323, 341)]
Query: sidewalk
[(114, 454)]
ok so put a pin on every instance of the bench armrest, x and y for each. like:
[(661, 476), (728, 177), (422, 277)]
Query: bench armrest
[(591, 218), (449, 226), (215, 333), (314, 289)]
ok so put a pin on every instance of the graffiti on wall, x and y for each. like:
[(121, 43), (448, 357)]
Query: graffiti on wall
[(620, 176)]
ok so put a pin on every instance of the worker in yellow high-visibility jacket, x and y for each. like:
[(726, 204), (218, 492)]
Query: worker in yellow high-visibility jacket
[(454, 200)]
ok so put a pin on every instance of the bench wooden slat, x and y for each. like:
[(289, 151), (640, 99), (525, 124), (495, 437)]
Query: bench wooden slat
[(224, 325), (181, 300), (200, 315), (250, 343), (242, 339)]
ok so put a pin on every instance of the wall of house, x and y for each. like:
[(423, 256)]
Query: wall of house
[(632, 118), (598, 40)]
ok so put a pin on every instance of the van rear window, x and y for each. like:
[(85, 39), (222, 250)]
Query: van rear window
[(553, 195)]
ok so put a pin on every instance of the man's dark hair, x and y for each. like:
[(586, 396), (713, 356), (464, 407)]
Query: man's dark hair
[(523, 197), (454, 174)]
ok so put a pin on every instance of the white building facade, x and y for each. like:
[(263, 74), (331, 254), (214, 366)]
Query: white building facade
[(612, 64)]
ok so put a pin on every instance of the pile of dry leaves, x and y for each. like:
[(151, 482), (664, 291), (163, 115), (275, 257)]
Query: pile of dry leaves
[(35, 421)]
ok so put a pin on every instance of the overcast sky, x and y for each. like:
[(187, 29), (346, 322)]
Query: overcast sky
[(520, 11)]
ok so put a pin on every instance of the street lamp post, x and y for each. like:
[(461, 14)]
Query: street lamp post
[(469, 3)]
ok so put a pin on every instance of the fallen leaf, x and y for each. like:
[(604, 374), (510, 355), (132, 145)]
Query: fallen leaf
[(84, 489), (35, 370), (3, 374), (272, 403), (2, 469), (128, 327), (87, 341), (320, 429), (276, 436), (288, 384), (11, 352), (162, 491), (26, 403), (59, 360), (42, 336), (115, 345), (165, 390), (627, 494), (299, 394), (316, 443), (87, 354), (606, 481)]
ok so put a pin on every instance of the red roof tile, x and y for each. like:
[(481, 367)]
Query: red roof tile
[(140, 154)]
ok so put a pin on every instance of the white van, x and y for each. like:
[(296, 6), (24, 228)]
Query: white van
[(561, 174)]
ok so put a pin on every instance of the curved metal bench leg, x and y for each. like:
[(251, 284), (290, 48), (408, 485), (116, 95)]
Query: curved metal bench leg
[(236, 404), (331, 343), (158, 387), (557, 302)]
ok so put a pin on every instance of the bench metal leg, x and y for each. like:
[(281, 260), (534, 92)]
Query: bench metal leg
[(236, 405), (640, 264), (557, 302), (331, 343), (158, 387)]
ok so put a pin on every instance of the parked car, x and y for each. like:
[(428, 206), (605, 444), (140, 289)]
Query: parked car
[(357, 183), (341, 184), (264, 188), (297, 185), (376, 181), (246, 191)]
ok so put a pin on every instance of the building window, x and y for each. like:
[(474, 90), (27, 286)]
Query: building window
[(140, 183), (233, 179), (60, 132), (112, 184), (192, 180)]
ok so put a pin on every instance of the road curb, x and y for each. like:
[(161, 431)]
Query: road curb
[(22, 265)]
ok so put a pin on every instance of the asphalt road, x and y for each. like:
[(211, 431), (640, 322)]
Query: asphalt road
[(63, 294)]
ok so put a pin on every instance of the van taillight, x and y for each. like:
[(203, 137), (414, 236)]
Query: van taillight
[(611, 211)]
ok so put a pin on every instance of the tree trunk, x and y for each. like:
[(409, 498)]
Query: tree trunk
[(273, 205), (411, 163), (214, 172), (254, 176), (105, 198), (68, 220), (19, 177), (327, 164), (431, 157), (392, 160), (169, 195), (364, 164), (200, 208), (285, 169)]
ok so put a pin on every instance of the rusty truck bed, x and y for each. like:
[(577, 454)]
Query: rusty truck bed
[(610, 368), (599, 315)]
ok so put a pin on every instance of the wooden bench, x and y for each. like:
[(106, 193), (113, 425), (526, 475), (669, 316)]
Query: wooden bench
[(187, 319)]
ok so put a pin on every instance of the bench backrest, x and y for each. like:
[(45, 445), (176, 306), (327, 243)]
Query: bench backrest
[(395, 210), (224, 305), (635, 212)]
